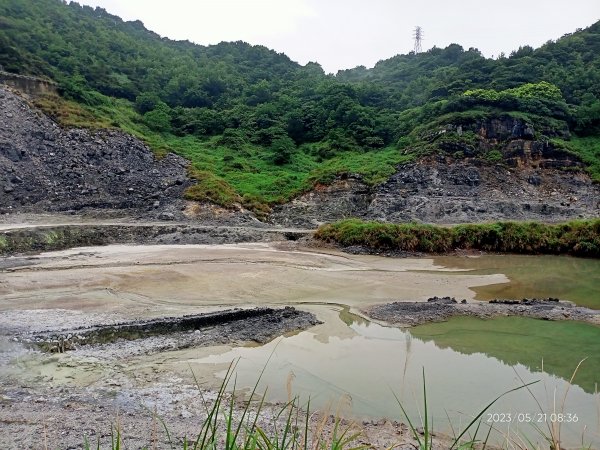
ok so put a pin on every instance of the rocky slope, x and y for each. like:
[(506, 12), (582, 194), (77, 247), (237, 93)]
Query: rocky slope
[(533, 180), (46, 168)]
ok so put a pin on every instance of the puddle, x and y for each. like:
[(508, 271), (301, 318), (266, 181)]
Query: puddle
[(467, 363)]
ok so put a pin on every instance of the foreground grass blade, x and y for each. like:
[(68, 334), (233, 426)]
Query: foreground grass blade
[(410, 424), (482, 412)]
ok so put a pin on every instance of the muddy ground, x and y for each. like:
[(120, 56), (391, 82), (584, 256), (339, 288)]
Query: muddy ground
[(439, 309), (60, 400), (43, 409), (56, 400)]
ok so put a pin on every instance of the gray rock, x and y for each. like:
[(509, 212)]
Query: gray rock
[(451, 191), (71, 170), (166, 216)]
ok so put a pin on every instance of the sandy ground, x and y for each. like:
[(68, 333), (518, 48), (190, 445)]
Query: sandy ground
[(54, 401), (154, 280)]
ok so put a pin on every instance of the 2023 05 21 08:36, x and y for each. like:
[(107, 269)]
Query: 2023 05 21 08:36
[(531, 418)]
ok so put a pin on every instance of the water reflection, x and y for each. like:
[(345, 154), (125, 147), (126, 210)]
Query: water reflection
[(552, 347), (377, 361), (350, 318)]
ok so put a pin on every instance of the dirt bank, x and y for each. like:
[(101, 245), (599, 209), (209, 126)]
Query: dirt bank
[(39, 238), (439, 309), (258, 325)]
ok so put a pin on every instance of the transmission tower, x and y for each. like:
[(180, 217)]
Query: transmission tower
[(418, 35)]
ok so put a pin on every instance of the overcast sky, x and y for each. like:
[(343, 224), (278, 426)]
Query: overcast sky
[(341, 34)]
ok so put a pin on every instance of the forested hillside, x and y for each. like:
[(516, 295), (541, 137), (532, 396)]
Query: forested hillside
[(260, 128)]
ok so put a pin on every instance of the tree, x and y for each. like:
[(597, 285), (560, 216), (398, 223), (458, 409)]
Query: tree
[(159, 119), (146, 102), (282, 147)]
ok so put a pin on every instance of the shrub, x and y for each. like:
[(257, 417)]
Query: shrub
[(210, 187), (580, 238), (159, 119)]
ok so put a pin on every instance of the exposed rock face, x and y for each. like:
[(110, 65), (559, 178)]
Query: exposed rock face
[(534, 181), (46, 168), (504, 128), (28, 86), (440, 191), (464, 191)]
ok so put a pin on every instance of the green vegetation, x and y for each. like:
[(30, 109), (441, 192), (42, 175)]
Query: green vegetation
[(266, 128), (588, 149), (580, 238)]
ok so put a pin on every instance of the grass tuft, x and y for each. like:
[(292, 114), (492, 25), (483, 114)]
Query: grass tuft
[(227, 427)]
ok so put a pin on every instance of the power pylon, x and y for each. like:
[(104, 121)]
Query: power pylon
[(418, 35)]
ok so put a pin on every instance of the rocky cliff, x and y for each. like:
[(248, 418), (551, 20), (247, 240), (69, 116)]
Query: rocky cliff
[(503, 170), (46, 168)]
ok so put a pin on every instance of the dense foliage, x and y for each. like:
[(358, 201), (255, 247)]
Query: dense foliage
[(581, 238), (259, 126)]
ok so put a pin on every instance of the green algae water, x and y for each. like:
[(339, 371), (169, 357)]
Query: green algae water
[(556, 348), (564, 277)]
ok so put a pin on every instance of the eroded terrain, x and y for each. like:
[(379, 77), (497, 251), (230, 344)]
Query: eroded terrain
[(61, 398)]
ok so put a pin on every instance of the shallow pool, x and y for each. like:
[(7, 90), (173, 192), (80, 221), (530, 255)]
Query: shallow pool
[(564, 277), (467, 363)]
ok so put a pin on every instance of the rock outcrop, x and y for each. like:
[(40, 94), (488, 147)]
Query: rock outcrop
[(46, 168), (27, 85), (532, 180)]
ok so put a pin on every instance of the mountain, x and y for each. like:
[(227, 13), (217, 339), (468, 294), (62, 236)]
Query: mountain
[(261, 129), (571, 63)]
